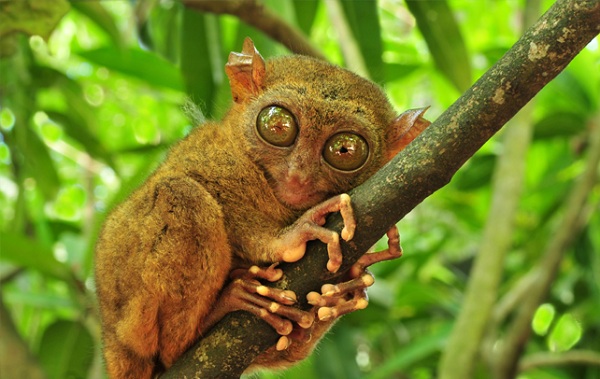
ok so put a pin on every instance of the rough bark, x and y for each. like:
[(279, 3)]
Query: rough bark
[(423, 167)]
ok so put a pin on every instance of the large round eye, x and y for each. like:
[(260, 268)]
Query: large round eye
[(277, 126), (346, 151)]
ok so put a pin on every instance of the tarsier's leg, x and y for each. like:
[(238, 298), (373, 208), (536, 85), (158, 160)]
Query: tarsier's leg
[(273, 305)]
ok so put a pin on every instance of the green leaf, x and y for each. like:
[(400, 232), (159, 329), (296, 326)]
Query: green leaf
[(395, 71), (45, 76), (7, 119), (81, 133), (569, 92), (4, 153), (137, 63), (50, 132), (66, 350), (425, 346), (584, 250), (476, 174), (416, 295), (47, 299), (584, 70), (300, 371), (39, 164), (543, 319), (444, 39), (30, 254), (565, 334), (559, 124), (101, 17), (79, 119), (332, 360), (69, 203), (196, 64), (161, 30), (305, 14), (363, 19)]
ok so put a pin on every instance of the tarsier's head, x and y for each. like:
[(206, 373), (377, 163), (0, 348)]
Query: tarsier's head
[(315, 129)]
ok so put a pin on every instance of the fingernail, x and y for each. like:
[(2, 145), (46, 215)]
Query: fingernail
[(324, 313), (307, 323), (313, 298), (282, 344), (328, 289), (331, 267), (368, 280), (362, 304)]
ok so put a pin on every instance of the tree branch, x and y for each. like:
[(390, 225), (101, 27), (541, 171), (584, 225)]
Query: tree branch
[(255, 14), (423, 167), (573, 357)]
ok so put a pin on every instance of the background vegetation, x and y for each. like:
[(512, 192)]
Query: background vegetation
[(92, 96)]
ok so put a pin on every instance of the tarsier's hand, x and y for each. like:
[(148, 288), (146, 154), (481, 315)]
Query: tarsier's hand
[(291, 244), (336, 300), (275, 306), (339, 299)]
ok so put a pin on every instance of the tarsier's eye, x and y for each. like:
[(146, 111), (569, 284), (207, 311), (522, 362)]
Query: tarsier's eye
[(277, 126), (346, 151)]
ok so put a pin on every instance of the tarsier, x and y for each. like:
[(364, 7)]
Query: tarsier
[(205, 231)]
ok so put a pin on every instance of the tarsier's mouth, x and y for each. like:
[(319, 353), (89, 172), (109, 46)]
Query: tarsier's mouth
[(301, 199)]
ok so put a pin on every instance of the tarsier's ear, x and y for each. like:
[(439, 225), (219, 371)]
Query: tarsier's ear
[(404, 129), (246, 72)]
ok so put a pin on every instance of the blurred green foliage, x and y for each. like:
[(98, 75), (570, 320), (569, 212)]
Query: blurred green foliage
[(89, 104)]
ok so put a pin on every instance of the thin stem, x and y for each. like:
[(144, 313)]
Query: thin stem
[(573, 357), (255, 14)]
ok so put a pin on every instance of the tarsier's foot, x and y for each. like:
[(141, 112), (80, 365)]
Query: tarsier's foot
[(273, 305), (336, 300), (292, 243)]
